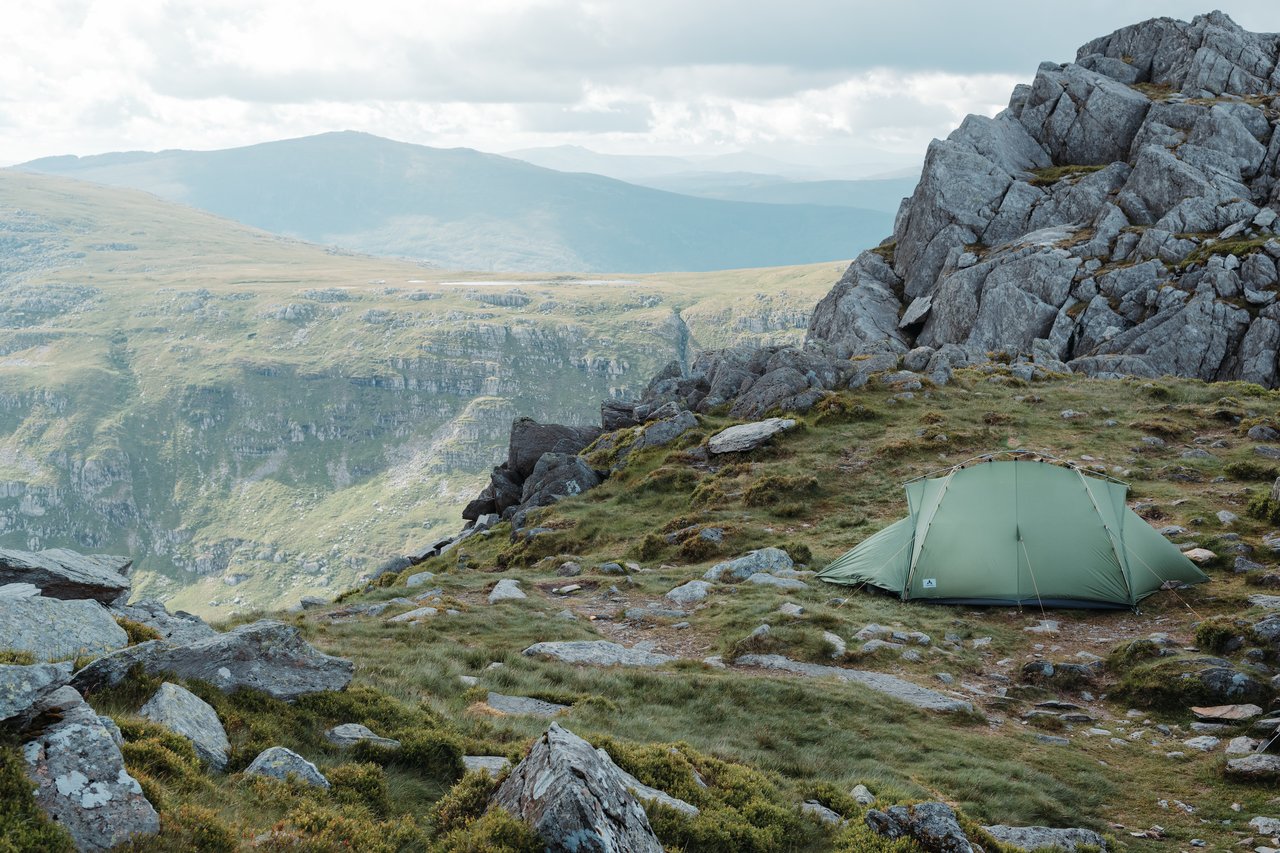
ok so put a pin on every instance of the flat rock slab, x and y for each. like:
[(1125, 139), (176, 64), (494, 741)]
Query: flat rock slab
[(1045, 837), (53, 629), (1259, 767), (493, 765), (185, 713), (279, 763), (523, 705), (413, 615), (597, 653), (350, 734), (574, 798), (1267, 602), (889, 685), (744, 437), (81, 779), (21, 687), (764, 579), (267, 656), (1227, 713), (60, 573)]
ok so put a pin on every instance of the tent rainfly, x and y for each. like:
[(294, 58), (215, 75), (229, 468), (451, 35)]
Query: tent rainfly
[(1017, 531)]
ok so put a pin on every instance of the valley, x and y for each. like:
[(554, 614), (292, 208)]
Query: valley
[(253, 418)]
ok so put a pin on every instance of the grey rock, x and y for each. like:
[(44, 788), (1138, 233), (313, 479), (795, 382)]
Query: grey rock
[(596, 653), (22, 687), (180, 627), (507, 589), (817, 810), (523, 706), (492, 765), (557, 476), (185, 713), (530, 441), (690, 593), (764, 560), (60, 573), (931, 825), (1046, 838), (53, 629), (765, 579), (267, 656), (350, 734), (860, 313), (569, 569), (745, 437), (415, 615), (1258, 767), (81, 781), (837, 644), (650, 613), (912, 694), (1262, 432), (419, 579), (574, 798), (862, 796), (280, 763)]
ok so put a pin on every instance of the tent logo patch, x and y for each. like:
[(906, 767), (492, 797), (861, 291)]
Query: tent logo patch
[(929, 583)]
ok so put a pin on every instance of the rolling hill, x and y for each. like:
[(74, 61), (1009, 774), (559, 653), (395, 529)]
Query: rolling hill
[(463, 209)]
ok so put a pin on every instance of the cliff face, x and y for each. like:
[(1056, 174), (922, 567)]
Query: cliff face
[(1119, 216), (252, 418)]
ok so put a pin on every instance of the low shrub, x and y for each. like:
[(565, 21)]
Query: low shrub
[(772, 489), (1265, 508), (1251, 471), (363, 784), (1221, 635), (187, 828), (494, 832), (136, 631), (463, 804), (651, 547)]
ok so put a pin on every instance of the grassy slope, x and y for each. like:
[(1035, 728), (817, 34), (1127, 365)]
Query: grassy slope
[(803, 734), (157, 399)]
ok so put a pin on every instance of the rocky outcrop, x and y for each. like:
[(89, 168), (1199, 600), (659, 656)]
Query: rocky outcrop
[(22, 687), (1120, 197), (80, 777), (185, 713), (933, 826), (180, 627), (59, 573), (575, 798), (1046, 838), (267, 656)]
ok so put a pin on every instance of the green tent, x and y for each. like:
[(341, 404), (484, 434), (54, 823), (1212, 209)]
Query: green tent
[(1017, 531)]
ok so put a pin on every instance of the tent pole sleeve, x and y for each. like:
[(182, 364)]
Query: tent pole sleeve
[(1121, 563)]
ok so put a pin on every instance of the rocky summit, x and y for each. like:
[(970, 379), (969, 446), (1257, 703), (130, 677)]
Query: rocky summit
[(1119, 217)]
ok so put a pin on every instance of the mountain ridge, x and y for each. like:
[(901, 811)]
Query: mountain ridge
[(463, 208)]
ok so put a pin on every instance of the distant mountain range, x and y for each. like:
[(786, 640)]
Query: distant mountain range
[(462, 209)]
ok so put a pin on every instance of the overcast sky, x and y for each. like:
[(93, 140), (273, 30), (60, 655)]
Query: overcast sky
[(823, 81)]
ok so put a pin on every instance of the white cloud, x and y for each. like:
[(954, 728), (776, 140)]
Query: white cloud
[(836, 79)]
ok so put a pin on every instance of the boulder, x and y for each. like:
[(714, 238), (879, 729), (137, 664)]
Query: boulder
[(419, 579), (931, 825), (530, 441), (764, 560), (185, 713), (574, 798), (556, 476), (59, 573), (350, 734), (53, 629), (80, 777), (276, 762), (267, 656), (1046, 838), (22, 687), (765, 579), (746, 437), (523, 706), (507, 589), (596, 653), (690, 593)]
